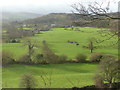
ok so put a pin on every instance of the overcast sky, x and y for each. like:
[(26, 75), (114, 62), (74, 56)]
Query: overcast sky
[(46, 6)]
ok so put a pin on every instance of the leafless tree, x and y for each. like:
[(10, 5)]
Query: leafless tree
[(91, 45), (109, 69), (96, 12), (11, 32)]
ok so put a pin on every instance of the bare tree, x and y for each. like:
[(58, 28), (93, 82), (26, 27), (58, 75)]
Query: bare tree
[(109, 69), (91, 46), (96, 12), (11, 33)]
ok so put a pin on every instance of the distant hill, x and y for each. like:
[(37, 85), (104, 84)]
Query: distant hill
[(63, 19), (9, 16), (53, 18)]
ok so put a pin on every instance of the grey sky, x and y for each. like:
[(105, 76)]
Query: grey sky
[(46, 6)]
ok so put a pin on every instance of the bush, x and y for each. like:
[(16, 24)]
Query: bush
[(39, 59), (81, 57), (96, 57), (28, 81), (25, 59), (62, 58), (7, 58), (108, 56)]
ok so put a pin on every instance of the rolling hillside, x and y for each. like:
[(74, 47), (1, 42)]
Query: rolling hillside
[(53, 18), (9, 16), (62, 19)]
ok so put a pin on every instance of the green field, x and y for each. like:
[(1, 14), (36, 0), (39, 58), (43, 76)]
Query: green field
[(57, 39), (80, 74), (61, 74)]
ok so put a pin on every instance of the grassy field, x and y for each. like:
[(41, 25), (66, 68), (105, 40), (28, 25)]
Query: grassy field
[(58, 38), (62, 75)]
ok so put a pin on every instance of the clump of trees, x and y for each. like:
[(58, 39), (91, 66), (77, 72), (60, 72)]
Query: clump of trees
[(14, 31), (49, 55), (46, 57), (27, 58)]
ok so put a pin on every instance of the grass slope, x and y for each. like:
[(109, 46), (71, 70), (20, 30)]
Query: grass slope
[(62, 74)]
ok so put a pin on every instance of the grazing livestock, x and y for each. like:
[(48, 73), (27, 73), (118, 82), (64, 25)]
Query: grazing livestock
[(77, 44), (72, 41)]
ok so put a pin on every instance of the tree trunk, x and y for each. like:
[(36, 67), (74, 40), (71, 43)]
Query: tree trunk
[(110, 82), (91, 50)]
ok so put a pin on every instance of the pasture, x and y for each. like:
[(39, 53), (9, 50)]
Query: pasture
[(62, 75), (57, 39)]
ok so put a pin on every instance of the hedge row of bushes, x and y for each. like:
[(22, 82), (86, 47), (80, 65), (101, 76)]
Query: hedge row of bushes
[(95, 57), (42, 59), (7, 58)]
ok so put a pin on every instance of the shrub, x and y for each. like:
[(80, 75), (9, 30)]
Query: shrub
[(96, 57), (7, 58), (39, 59), (51, 58), (81, 57), (25, 59), (28, 81), (108, 56), (62, 58)]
